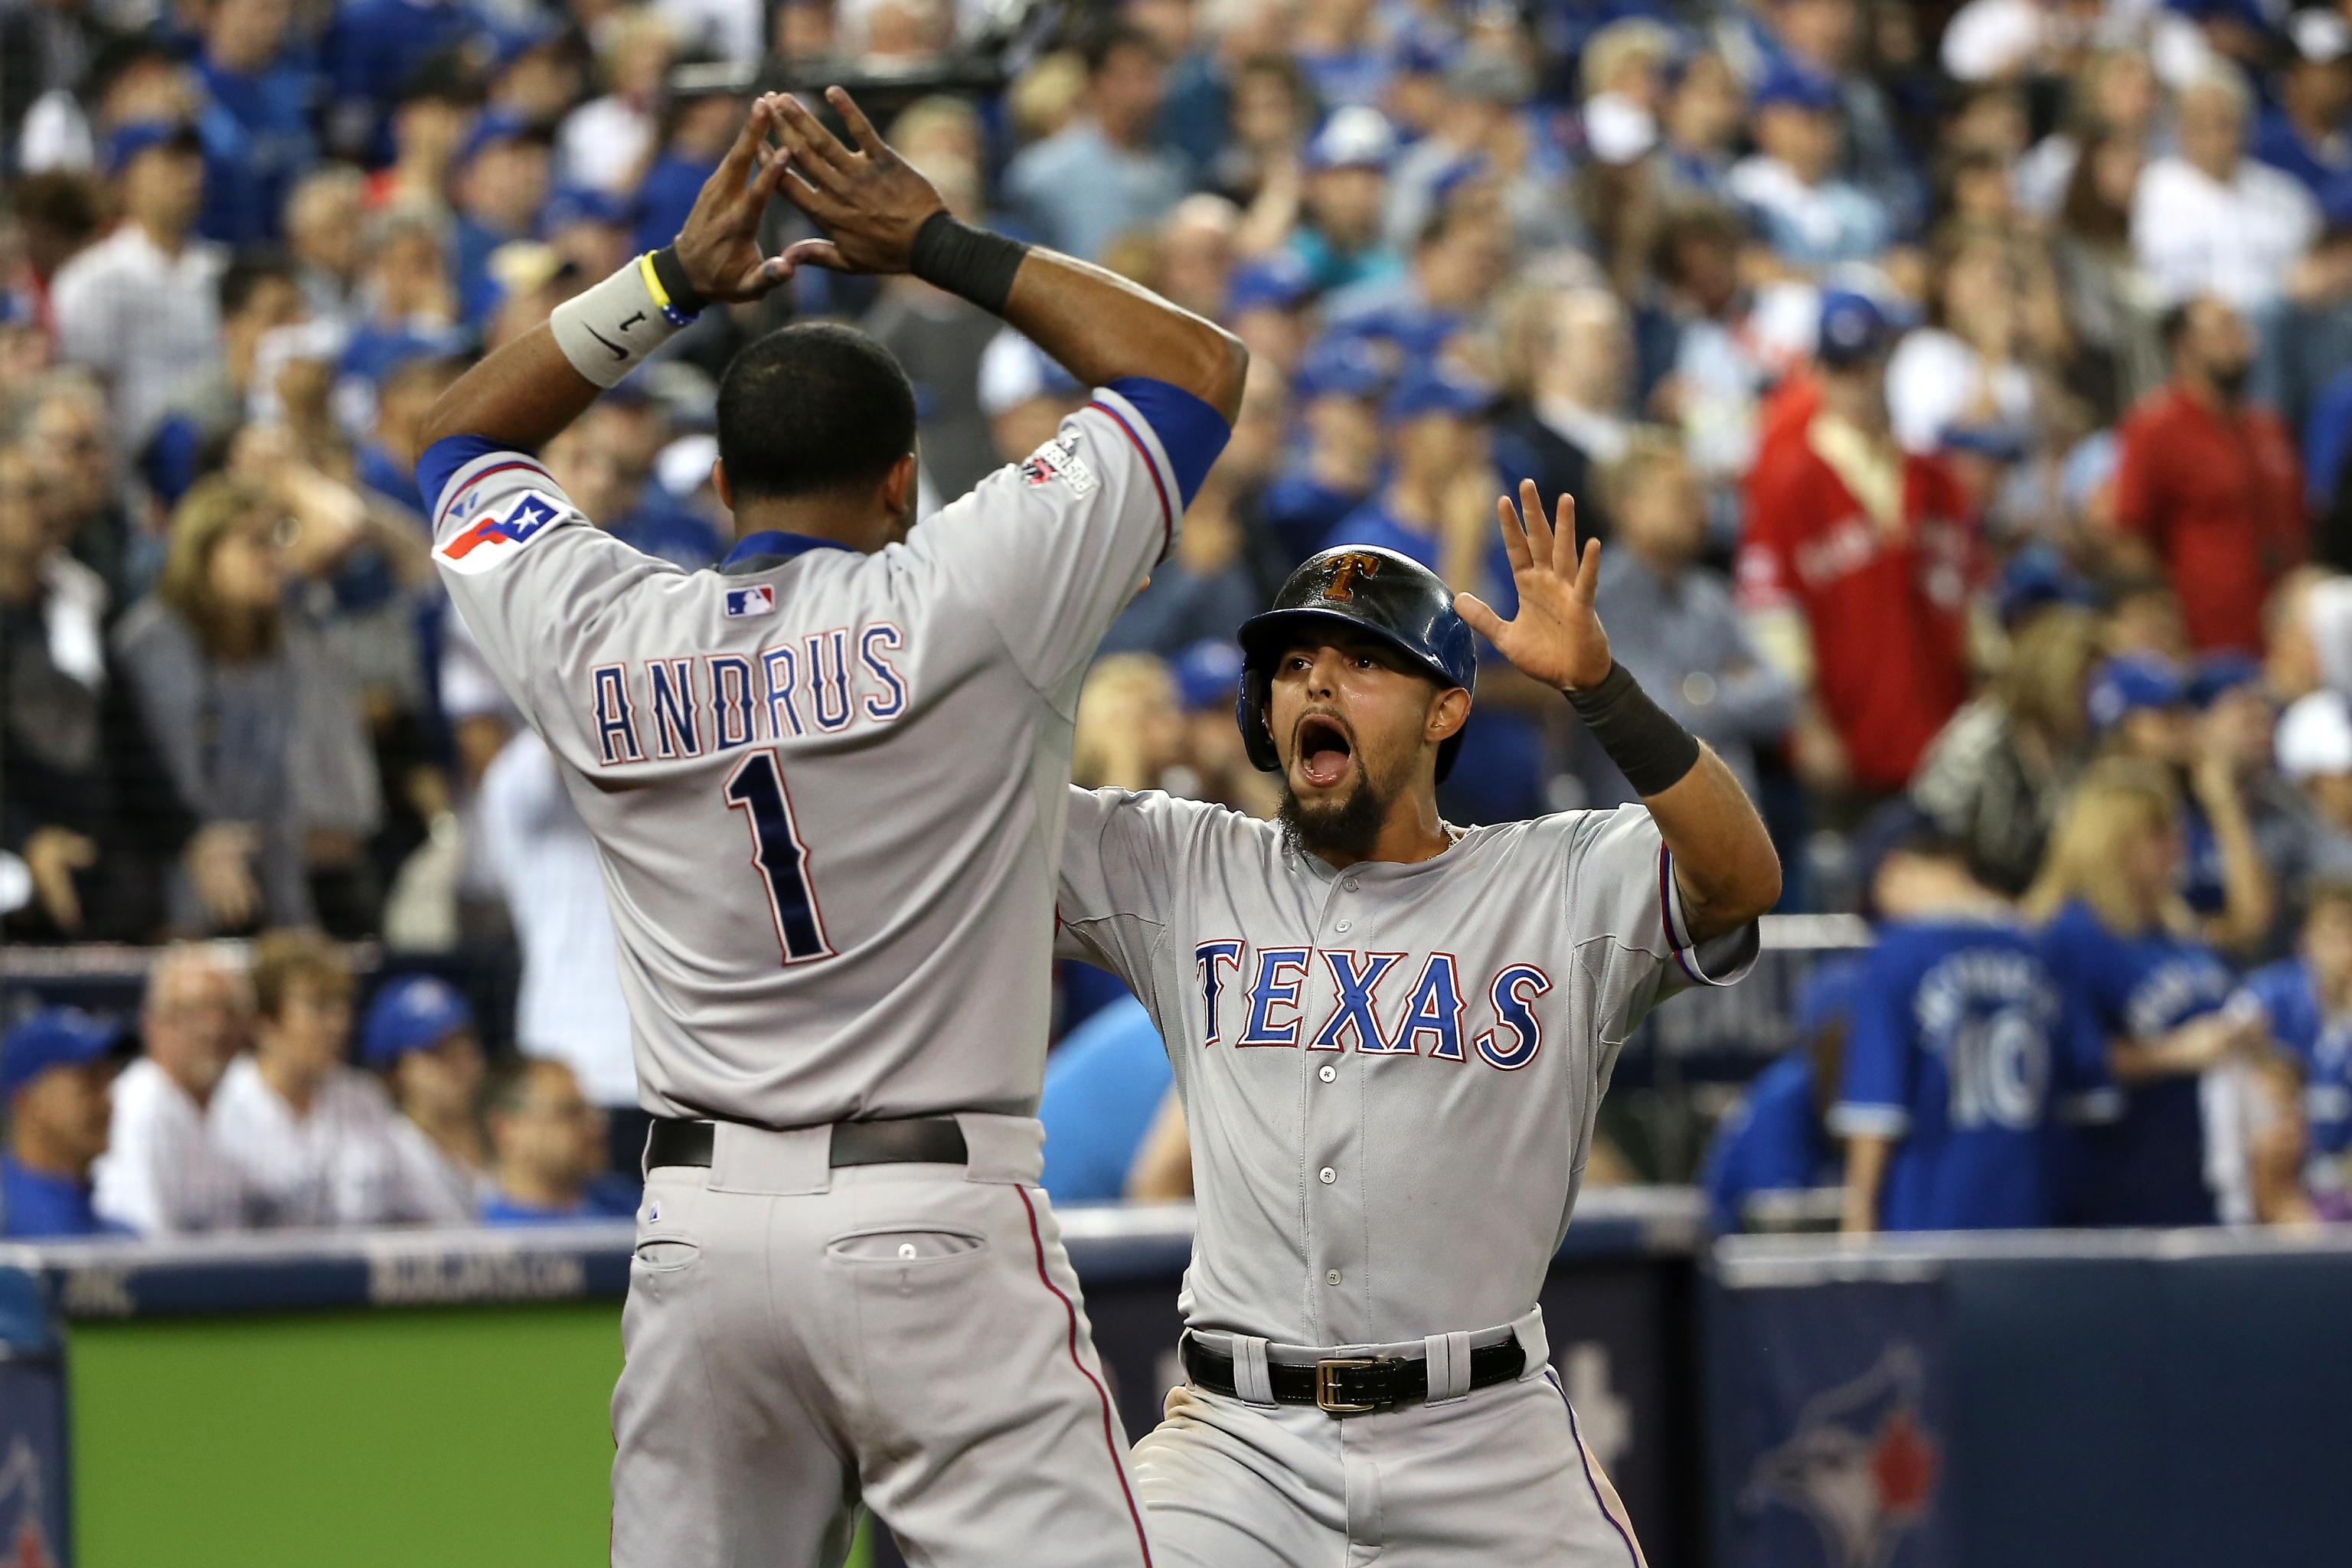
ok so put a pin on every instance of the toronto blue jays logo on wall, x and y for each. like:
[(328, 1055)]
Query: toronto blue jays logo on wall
[(23, 1542), (1860, 1463)]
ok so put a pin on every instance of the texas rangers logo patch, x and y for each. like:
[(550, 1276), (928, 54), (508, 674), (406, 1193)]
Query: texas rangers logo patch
[(759, 599), (483, 545), (1058, 459)]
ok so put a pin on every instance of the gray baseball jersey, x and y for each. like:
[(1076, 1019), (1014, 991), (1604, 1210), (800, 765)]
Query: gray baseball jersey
[(1389, 1073), (826, 787)]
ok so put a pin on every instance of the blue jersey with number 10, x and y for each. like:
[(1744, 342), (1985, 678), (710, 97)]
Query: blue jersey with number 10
[(1964, 1047)]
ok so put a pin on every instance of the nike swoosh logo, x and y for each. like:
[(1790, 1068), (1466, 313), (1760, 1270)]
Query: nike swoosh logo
[(618, 351)]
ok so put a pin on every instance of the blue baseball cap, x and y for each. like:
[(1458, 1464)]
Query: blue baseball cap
[(1999, 442), (1792, 85), (2335, 202), (54, 1038), (1208, 674), (1456, 175), (1278, 283), (410, 1014), (2132, 682), (1428, 390), (2036, 576), (1423, 48), (1341, 366), (585, 203), (496, 125), (2221, 672), (1854, 328), (509, 44), (1355, 137), (1826, 996), (137, 136)]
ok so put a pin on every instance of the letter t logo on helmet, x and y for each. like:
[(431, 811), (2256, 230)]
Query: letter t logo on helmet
[(1345, 569)]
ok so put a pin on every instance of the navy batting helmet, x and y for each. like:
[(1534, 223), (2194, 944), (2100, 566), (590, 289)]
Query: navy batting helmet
[(1393, 597)]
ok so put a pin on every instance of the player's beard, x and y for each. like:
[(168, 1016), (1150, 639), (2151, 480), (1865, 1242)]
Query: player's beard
[(1350, 827)]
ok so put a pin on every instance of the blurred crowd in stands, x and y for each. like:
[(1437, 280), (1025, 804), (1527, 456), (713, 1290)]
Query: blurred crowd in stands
[(1963, 394)]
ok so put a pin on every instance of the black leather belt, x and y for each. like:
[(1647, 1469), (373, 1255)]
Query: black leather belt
[(1352, 1385), (908, 1141)]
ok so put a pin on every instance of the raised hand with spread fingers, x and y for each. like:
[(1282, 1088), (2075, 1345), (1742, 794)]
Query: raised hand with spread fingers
[(1557, 637)]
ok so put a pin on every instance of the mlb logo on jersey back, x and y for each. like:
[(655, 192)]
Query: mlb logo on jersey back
[(1058, 459), (483, 545), (759, 599)]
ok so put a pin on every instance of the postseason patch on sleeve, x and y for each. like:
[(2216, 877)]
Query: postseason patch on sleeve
[(500, 533), (1058, 459)]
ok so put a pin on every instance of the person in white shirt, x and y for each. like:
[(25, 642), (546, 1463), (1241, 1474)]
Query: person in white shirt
[(141, 306), (312, 1135), (420, 1036), (1967, 370), (2210, 220), (569, 1007), (164, 1174)]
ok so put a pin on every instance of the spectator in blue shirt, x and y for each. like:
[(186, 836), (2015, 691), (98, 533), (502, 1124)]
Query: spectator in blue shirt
[(2309, 131), (547, 1144), (2142, 706), (56, 1073), (1339, 237), (697, 129), (252, 77), (1102, 175), (1460, 260), (2118, 931), (1812, 217), (499, 181), (1776, 1139), (1337, 395), (1438, 508), (2304, 1005), (381, 463), (1103, 1088), (1963, 1052), (371, 49), (410, 301)]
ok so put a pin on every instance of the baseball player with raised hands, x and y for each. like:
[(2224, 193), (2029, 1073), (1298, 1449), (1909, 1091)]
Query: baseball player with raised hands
[(826, 785), (1391, 1035)]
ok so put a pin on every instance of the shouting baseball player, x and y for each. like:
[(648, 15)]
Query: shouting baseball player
[(826, 783), (1391, 1035)]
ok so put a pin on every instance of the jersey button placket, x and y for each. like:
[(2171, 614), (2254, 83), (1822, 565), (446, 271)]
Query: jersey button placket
[(1333, 1132)]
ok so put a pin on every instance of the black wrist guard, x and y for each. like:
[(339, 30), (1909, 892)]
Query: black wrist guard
[(965, 260), (677, 297), (1649, 748)]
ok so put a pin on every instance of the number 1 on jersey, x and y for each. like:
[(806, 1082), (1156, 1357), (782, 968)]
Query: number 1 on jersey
[(756, 788)]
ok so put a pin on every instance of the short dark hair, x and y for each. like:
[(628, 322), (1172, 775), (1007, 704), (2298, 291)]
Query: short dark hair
[(245, 275), (2173, 323), (1108, 40), (812, 408)]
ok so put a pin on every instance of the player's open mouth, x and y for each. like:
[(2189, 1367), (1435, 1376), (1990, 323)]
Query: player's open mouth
[(1324, 750)]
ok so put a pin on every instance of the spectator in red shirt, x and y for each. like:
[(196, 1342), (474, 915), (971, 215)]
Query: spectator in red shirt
[(1856, 568), (2208, 491)]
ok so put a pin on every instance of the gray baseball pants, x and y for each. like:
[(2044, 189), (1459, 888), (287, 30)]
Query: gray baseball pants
[(1496, 1478), (800, 1340)]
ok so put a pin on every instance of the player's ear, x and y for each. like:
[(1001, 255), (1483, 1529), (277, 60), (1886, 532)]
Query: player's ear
[(718, 482), (1446, 715), (898, 485)]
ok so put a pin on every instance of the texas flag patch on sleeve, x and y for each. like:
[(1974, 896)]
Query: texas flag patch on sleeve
[(499, 534)]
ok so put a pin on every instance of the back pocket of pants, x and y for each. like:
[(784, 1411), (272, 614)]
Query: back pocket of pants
[(905, 1246), (666, 1254)]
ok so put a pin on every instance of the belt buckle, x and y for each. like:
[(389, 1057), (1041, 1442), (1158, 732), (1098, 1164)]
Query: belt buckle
[(1327, 1400)]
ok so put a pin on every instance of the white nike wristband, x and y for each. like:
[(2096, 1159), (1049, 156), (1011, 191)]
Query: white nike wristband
[(608, 330)]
